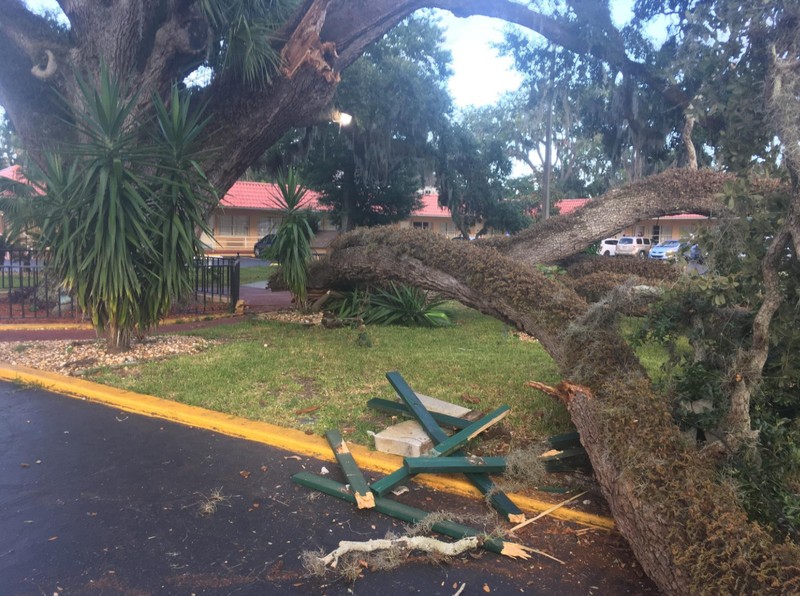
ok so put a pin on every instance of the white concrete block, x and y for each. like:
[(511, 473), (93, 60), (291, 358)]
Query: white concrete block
[(407, 439), (443, 407)]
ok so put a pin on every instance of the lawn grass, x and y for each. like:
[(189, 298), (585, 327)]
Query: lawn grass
[(249, 275), (277, 372)]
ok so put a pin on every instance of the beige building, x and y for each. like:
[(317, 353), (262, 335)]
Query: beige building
[(251, 210)]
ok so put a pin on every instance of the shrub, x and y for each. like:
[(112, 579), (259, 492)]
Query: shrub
[(396, 304)]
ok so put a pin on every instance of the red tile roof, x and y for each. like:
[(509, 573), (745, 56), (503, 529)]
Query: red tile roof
[(566, 206), (684, 216), (13, 173), (430, 207), (264, 195)]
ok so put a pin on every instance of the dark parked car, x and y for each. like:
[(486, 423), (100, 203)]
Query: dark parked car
[(261, 247)]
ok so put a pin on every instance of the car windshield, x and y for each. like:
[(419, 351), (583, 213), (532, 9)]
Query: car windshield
[(626, 240), (671, 243)]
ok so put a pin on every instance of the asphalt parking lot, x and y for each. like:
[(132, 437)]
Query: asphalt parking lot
[(99, 501)]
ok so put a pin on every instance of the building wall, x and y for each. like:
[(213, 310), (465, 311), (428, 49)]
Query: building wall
[(666, 228), (237, 230)]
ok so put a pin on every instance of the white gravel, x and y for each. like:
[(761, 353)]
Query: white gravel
[(71, 357)]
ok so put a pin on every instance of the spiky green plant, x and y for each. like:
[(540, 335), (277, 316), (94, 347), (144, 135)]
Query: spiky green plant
[(396, 304), (118, 217), (246, 32), (399, 304), (291, 248)]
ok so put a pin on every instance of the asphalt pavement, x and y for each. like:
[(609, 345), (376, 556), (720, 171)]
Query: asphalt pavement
[(95, 500)]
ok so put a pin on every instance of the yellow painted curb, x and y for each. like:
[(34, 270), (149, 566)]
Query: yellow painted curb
[(263, 432), (42, 326)]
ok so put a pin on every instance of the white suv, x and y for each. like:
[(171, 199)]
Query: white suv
[(608, 247), (635, 247)]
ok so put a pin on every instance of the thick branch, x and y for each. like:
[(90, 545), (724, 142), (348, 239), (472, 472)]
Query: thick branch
[(674, 191)]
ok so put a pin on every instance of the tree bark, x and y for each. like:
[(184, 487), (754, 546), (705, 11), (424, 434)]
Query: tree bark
[(149, 46), (663, 493)]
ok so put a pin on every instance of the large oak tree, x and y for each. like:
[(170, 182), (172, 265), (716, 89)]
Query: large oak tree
[(688, 531)]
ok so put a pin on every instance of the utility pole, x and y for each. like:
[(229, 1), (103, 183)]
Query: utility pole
[(548, 135)]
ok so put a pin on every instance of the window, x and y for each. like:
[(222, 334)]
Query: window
[(656, 234), (267, 225), (422, 225), (232, 225)]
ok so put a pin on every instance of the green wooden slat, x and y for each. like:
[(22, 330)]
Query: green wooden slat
[(417, 408), (394, 509), (565, 441), (499, 499), (455, 465), (462, 437), (384, 485), (482, 482), (355, 478), (396, 408)]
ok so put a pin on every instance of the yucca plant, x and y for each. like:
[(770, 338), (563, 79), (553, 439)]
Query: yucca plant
[(118, 217), (291, 248), (349, 307), (399, 304)]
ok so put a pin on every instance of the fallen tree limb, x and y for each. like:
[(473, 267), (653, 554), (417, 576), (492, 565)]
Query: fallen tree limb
[(420, 543)]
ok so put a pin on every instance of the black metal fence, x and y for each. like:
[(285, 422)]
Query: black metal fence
[(29, 291), (215, 281)]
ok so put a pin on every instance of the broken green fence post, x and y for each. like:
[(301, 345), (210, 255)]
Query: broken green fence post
[(417, 408), (455, 465), (446, 447), (482, 482), (410, 514), (363, 495)]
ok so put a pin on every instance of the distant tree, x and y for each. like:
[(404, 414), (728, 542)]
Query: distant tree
[(471, 176), (369, 170), (8, 150)]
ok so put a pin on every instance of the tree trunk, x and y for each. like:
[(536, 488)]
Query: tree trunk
[(118, 339), (688, 531)]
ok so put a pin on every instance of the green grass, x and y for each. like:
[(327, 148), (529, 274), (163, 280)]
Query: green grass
[(266, 370), (652, 354), (249, 275)]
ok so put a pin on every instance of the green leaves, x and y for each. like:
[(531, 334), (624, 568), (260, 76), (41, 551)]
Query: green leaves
[(292, 245), (245, 32), (120, 212), (396, 304)]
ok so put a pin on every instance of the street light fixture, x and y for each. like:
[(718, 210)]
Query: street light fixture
[(341, 118)]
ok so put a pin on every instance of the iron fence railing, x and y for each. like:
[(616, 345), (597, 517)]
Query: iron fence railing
[(28, 290)]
